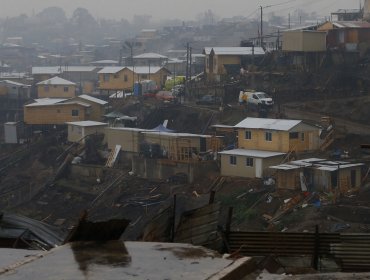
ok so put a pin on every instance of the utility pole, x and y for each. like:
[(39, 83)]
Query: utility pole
[(261, 32), (289, 20), (187, 62), (190, 62)]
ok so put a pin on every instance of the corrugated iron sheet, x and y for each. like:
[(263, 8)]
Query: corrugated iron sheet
[(199, 226), (351, 251)]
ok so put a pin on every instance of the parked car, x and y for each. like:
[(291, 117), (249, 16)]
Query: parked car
[(255, 98), (166, 96), (209, 100)]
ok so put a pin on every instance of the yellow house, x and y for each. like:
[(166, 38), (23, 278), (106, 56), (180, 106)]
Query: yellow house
[(98, 106), (277, 135), (77, 131), (52, 111), (56, 88), (218, 59), (123, 78)]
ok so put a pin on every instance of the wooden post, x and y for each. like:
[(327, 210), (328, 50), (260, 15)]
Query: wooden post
[(316, 249), (173, 219)]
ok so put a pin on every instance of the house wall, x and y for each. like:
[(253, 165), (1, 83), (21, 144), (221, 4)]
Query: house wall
[(118, 82), (56, 91), (304, 41), (97, 110), (242, 170), (288, 179), (323, 182), (54, 114), (161, 169), (220, 60), (75, 132), (128, 139)]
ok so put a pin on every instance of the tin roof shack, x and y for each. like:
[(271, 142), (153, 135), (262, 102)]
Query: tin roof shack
[(319, 175), (350, 36), (130, 260), (48, 111), (56, 88), (347, 15), (248, 163), (77, 131), (278, 135), (98, 106), (222, 61), (181, 146), (15, 90)]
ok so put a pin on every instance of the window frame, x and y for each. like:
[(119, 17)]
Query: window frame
[(248, 135), (249, 162), (75, 113), (268, 136), (233, 160)]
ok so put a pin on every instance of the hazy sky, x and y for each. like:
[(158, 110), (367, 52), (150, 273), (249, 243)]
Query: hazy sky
[(183, 9)]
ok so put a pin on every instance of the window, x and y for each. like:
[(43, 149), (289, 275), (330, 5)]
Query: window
[(106, 77), (55, 86), (58, 111), (46, 88), (233, 160), (293, 135), (144, 76), (249, 162), (248, 135), (74, 113), (125, 78), (116, 76), (66, 89), (268, 136), (302, 136)]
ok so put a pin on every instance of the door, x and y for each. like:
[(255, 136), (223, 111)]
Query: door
[(258, 167)]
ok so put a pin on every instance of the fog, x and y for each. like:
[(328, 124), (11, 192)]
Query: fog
[(164, 9)]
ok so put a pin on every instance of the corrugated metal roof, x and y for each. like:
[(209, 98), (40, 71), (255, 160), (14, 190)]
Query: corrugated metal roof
[(150, 56), (87, 123), (46, 101), (269, 124), (46, 70), (111, 70), (251, 153), (57, 81), (14, 83), (235, 50), (351, 24), (92, 99), (169, 134)]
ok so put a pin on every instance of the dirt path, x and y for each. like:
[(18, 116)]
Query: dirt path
[(350, 126)]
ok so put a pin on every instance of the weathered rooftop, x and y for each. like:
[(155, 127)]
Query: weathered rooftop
[(118, 260), (251, 153), (269, 124), (57, 81)]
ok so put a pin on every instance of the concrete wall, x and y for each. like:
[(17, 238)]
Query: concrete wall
[(75, 132), (54, 114), (304, 41), (163, 169), (129, 139), (56, 91)]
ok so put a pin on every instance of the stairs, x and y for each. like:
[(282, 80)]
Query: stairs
[(113, 156)]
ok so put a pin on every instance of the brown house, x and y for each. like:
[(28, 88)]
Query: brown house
[(98, 106), (347, 35), (49, 111), (123, 78), (56, 88), (224, 60)]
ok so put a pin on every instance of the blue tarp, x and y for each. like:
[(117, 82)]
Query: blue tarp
[(161, 128)]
